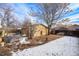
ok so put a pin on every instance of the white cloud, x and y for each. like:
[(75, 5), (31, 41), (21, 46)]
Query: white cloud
[(20, 10), (73, 16), (74, 6)]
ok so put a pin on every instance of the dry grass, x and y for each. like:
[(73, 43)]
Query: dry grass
[(36, 41), (52, 37), (33, 42), (43, 39), (4, 51), (23, 46)]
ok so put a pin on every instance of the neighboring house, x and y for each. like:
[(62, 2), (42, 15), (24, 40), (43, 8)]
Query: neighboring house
[(57, 30), (67, 30), (74, 27), (39, 30)]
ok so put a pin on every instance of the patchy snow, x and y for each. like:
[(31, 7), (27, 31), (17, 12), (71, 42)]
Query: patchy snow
[(65, 46), (23, 40)]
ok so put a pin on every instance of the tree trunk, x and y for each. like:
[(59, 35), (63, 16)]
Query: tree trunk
[(30, 32), (49, 29)]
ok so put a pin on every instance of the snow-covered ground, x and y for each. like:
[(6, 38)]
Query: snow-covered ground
[(65, 46)]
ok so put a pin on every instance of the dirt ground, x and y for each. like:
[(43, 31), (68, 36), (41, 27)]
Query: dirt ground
[(5, 51)]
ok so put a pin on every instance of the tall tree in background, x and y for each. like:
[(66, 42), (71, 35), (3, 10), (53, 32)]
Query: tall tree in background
[(51, 13), (8, 18), (27, 26)]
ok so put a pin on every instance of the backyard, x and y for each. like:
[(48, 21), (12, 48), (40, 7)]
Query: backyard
[(39, 29)]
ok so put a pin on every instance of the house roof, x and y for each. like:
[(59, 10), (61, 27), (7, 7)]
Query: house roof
[(39, 24), (73, 27)]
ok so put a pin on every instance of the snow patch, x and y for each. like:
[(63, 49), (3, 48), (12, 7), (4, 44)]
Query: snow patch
[(65, 46)]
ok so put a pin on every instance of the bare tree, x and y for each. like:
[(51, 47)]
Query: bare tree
[(27, 26), (63, 22), (8, 18), (51, 13)]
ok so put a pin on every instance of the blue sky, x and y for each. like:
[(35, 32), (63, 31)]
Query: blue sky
[(22, 9)]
